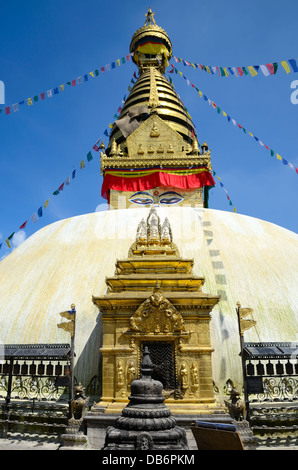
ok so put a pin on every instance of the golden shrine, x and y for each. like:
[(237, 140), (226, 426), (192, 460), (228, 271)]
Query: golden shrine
[(155, 300)]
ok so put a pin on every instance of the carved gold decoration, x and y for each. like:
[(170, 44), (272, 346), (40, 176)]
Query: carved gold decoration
[(157, 315), (154, 132), (184, 377), (194, 376), (131, 373), (120, 374)]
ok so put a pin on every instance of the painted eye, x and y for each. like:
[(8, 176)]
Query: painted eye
[(142, 200), (170, 200)]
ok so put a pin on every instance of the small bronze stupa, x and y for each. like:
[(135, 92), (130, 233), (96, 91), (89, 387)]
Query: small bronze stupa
[(146, 422)]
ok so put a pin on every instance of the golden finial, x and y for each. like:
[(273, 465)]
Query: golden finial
[(113, 148), (204, 147), (149, 17)]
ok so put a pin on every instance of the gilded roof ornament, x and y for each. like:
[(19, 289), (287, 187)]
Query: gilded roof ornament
[(149, 17)]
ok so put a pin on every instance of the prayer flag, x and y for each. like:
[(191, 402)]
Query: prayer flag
[(8, 243), (240, 71), (42, 96), (252, 71), (118, 62), (23, 225), (61, 87), (35, 98), (89, 156), (293, 63), (285, 66), (55, 193), (80, 80), (15, 107), (67, 181), (40, 212), (270, 67), (82, 164), (7, 110), (56, 91), (49, 93), (265, 70), (34, 218), (61, 187), (73, 174), (95, 148), (73, 83), (86, 78), (29, 101), (46, 204)]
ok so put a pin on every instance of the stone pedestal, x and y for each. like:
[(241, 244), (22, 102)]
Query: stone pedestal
[(74, 437)]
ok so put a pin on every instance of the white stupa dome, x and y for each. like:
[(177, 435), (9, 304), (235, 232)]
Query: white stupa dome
[(243, 259)]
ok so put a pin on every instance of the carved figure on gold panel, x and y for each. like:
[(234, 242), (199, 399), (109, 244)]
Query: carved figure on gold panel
[(184, 376), (157, 315), (131, 373), (119, 374), (194, 376)]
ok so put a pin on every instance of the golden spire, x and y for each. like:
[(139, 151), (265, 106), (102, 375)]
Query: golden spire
[(149, 17)]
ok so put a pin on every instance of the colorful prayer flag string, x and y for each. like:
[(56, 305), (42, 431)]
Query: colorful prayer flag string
[(234, 122), (56, 90), (39, 213), (224, 189), (290, 65)]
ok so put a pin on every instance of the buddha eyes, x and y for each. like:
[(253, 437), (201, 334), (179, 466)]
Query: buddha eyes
[(141, 198), (170, 200), (170, 197)]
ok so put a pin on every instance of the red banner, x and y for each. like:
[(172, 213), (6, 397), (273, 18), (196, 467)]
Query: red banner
[(155, 180)]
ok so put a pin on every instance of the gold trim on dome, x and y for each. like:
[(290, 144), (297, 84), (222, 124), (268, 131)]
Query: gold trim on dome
[(153, 96)]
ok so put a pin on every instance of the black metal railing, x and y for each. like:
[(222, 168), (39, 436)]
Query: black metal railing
[(270, 372), (35, 372)]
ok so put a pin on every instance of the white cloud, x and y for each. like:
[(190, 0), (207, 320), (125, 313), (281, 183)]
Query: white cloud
[(102, 207), (18, 238)]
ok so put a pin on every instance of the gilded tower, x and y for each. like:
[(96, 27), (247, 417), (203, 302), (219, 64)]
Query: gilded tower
[(153, 156)]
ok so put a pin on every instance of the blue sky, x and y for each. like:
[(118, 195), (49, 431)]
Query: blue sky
[(45, 43)]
